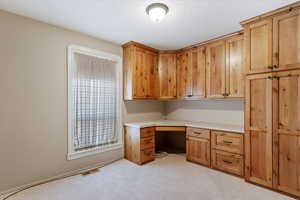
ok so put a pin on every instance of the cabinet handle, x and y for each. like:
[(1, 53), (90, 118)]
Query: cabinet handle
[(198, 133), (270, 77), (270, 67), (275, 66), (148, 141), (227, 142), (148, 154), (190, 95), (226, 161)]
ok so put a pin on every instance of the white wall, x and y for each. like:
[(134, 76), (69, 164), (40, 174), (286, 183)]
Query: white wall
[(33, 85), (220, 111)]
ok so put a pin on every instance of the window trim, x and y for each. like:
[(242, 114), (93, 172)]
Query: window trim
[(72, 154)]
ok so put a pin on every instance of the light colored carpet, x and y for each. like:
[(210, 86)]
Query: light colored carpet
[(169, 178)]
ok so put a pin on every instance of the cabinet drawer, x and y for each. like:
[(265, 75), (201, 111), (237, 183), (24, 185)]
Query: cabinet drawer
[(147, 143), (147, 155), (198, 132), (230, 142), (147, 132), (228, 162)]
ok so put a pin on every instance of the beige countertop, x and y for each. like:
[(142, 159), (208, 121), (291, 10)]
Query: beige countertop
[(205, 125)]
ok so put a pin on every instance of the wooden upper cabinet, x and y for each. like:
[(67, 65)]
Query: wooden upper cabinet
[(258, 46), (141, 76), (286, 36), (167, 76), (258, 126), (235, 73), (183, 84), (196, 65), (140, 73), (286, 95), (215, 69), (191, 73)]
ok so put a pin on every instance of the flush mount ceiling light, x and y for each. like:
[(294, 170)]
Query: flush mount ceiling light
[(157, 11)]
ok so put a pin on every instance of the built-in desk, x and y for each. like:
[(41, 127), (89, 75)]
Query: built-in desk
[(219, 146)]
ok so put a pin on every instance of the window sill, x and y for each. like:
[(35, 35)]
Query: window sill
[(84, 153)]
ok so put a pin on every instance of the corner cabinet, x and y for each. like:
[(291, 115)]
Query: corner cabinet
[(140, 68), (167, 75), (225, 68)]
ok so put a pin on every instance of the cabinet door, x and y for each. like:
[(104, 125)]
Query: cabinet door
[(286, 36), (183, 88), (258, 46), (197, 76), (235, 77), (215, 70), (287, 131), (151, 75), (140, 74), (258, 125), (198, 150), (167, 76)]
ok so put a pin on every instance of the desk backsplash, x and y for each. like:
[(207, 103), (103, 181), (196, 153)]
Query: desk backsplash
[(219, 111)]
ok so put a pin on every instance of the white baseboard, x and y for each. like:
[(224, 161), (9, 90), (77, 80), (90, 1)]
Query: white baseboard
[(4, 194)]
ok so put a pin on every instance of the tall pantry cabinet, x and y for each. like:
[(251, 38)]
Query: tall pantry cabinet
[(272, 112)]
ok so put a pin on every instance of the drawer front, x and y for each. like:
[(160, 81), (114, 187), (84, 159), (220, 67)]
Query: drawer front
[(230, 142), (198, 132), (147, 155), (147, 142), (147, 132), (228, 162)]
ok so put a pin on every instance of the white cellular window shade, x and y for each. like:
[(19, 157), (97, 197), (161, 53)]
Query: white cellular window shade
[(94, 102)]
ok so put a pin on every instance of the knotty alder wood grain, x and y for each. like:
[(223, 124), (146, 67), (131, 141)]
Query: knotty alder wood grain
[(140, 73), (139, 144), (258, 125), (198, 148), (286, 44), (258, 46), (191, 73), (230, 142), (286, 125), (235, 70), (228, 162), (167, 76), (215, 70), (182, 75)]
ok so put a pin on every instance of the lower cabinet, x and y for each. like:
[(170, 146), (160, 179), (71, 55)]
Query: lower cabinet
[(228, 162), (228, 152), (198, 146), (217, 149), (139, 144), (198, 150)]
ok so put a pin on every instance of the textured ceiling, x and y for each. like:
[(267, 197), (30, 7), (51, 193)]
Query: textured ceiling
[(188, 21)]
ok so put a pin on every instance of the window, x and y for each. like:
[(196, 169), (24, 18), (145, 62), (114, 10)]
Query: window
[(94, 102)]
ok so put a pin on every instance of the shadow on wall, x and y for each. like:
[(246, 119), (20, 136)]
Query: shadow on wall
[(206, 104), (143, 110), (219, 111)]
